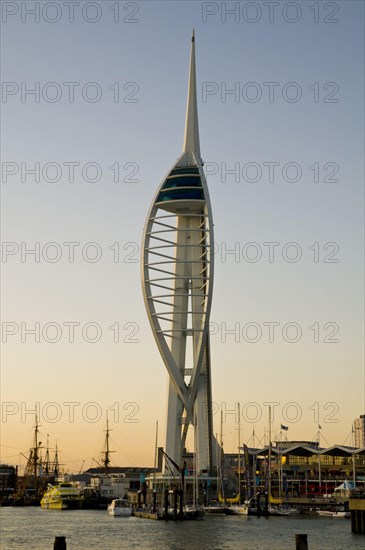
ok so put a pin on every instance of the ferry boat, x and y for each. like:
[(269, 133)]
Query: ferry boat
[(120, 507), (62, 496)]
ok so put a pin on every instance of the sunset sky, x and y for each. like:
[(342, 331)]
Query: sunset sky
[(281, 130)]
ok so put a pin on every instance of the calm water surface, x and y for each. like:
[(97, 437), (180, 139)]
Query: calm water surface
[(34, 528)]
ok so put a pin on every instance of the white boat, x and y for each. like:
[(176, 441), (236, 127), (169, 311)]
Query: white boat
[(194, 512), (277, 511), (341, 514), (215, 509), (293, 510), (325, 513), (120, 507)]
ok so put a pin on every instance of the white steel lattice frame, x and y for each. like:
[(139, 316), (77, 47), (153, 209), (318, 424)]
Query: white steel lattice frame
[(151, 284)]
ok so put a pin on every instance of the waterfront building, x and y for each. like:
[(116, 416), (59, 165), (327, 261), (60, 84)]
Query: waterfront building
[(177, 282), (302, 470), (8, 481), (119, 478), (359, 429)]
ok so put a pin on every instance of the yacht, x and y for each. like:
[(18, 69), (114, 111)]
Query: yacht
[(120, 507)]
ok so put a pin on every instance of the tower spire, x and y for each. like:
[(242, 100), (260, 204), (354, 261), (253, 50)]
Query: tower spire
[(191, 138)]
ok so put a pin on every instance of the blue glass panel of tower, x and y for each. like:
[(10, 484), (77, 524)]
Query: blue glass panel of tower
[(181, 194)]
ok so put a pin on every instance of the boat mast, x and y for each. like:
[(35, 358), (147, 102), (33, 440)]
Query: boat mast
[(221, 459), (353, 456), (155, 459), (319, 460), (46, 460), (254, 462), (56, 465), (239, 453), (280, 455), (107, 452), (269, 465), (196, 469), (35, 455)]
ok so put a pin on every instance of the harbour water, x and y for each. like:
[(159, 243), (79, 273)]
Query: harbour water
[(36, 529)]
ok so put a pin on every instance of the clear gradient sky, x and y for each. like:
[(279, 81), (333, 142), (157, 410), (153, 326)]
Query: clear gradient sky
[(292, 130)]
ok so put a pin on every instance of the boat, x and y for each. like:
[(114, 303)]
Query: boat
[(38, 473), (237, 510), (292, 510), (63, 496), (341, 514), (332, 514), (325, 513), (120, 507), (215, 509), (194, 511), (274, 505), (277, 511), (104, 486)]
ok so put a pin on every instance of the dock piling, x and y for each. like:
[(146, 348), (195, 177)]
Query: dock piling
[(60, 543), (166, 503), (301, 542)]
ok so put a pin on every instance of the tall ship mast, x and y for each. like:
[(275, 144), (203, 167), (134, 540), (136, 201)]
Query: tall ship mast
[(106, 459)]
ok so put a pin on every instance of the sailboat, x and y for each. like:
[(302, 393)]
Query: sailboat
[(218, 507), (105, 486), (37, 474), (238, 508), (274, 507)]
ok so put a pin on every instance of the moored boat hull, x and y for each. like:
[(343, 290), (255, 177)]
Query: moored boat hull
[(120, 508), (240, 510), (64, 496)]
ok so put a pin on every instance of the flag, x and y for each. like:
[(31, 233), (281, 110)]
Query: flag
[(282, 427)]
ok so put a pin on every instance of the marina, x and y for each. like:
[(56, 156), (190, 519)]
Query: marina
[(93, 530)]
